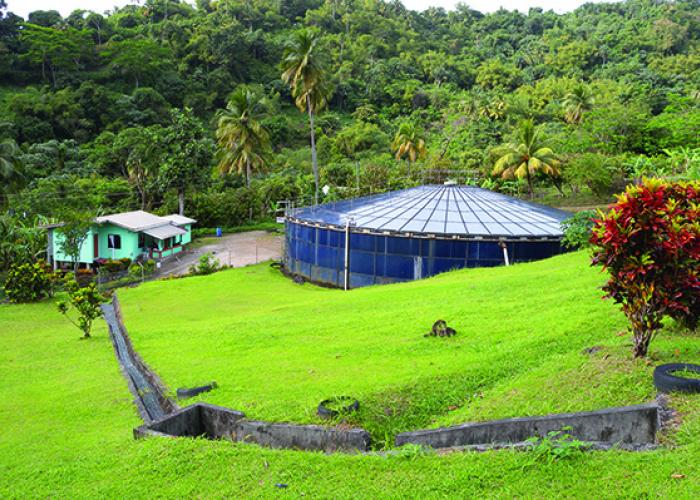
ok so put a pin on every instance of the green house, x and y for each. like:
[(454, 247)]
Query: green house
[(132, 235)]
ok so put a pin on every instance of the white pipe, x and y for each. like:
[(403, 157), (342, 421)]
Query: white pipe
[(505, 255)]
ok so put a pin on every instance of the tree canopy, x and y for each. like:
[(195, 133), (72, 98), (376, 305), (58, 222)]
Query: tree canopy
[(129, 104)]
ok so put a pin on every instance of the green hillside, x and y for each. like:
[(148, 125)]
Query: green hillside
[(276, 348)]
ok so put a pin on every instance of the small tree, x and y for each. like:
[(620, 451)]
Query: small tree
[(74, 231), (649, 242), (86, 302)]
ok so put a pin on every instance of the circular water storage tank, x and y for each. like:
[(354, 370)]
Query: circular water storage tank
[(415, 233)]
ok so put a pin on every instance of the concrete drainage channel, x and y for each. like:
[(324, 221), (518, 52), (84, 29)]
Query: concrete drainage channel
[(163, 417), (630, 427), (216, 422), (143, 383)]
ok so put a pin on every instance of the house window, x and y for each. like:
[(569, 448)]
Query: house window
[(114, 241), (142, 240)]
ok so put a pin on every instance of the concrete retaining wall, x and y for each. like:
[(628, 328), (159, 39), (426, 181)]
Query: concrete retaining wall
[(630, 424), (216, 422), (302, 437)]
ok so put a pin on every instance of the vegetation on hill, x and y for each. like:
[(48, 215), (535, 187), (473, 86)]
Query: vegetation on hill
[(96, 108)]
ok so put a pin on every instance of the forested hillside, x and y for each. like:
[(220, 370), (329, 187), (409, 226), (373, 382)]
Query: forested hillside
[(102, 113)]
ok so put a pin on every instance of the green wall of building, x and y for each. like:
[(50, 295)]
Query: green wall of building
[(86, 250), (129, 243), (187, 237)]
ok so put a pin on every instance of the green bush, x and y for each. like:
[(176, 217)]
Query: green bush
[(139, 270), (207, 265), (115, 266), (577, 229), (28, 283)]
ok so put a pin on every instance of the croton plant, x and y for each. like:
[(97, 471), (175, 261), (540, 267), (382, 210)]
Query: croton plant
[(649, 242)]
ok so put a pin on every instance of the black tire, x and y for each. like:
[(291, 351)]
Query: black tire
[(324, 412), (666, 381)]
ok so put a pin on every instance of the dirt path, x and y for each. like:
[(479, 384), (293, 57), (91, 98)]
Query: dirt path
[(236, 250)]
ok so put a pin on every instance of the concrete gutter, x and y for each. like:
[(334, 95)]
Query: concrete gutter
[(148, 390), (216, 422), (629, 424)]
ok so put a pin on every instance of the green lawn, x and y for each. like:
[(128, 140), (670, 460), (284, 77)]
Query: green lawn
[(276, 348), (66, 414)]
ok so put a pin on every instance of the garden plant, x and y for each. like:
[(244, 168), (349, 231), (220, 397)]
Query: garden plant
[(649, 242)]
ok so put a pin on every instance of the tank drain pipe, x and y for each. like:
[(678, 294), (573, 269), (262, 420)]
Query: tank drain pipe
[(346, 271), (503, 245)]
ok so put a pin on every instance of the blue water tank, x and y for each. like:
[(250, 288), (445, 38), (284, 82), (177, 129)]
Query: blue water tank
[(219, 232)]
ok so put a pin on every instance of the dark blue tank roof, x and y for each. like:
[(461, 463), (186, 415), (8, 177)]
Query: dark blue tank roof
[(441, 210)]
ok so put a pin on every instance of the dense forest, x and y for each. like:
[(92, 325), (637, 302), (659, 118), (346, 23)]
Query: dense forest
[(225, 108)]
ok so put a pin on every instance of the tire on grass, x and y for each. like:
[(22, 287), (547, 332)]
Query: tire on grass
[(324, 411), (666, 379)]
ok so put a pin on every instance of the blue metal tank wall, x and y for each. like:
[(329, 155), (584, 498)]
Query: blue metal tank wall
[(318, 255)]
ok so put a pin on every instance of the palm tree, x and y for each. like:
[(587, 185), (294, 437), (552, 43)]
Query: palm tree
[(408, 143), (240, 135), (577, 102), (10, 168), (304, 70), (526, 156)]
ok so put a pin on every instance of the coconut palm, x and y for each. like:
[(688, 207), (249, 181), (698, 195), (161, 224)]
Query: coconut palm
[(242, 139), (577, 102), (527, 156), (304, 70), (408, 143)]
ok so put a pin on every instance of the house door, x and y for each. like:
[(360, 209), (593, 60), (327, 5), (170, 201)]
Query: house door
[(95, 246)]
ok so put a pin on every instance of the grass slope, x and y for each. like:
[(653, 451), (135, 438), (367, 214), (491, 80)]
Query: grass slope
[(277, 349), (66, 418)]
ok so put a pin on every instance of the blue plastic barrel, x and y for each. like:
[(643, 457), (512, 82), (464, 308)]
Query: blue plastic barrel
[(219, 232)]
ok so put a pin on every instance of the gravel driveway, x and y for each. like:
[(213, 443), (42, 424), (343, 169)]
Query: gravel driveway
[(236, 250)]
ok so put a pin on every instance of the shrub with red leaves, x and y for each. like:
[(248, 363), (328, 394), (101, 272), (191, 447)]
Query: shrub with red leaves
[(649, 242)]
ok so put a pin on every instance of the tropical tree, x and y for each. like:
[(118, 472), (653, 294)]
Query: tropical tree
[(241, 137), (187, 154), (577, 102), (139, 148), (526, 156), (408, 143), (20, 242), (10, 163), (304, 70), (10, 168), (139, 59)]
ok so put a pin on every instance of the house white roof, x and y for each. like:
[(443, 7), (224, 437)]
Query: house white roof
[(137, 220), (178, 220), (164, 231), (144, 222)]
